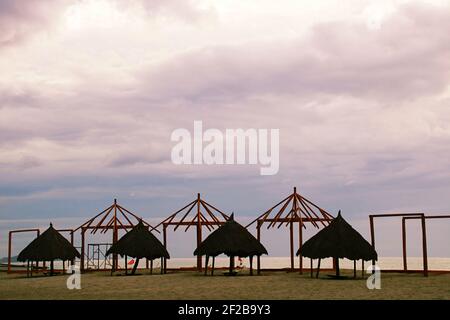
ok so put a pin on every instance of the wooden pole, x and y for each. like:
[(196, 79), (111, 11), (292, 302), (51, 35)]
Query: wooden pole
[(206, 264), (231, 264), (291, 235), (135, 266), (251, 265), (9, 251), (362, 268), (82, 250), (354, 269), (199, 233), (424, 247), (338, 272), (258, 258), (126, 265), (318, 269), (151, 266), (212, 269), (165, 245), (311, 266), (405, 261), (146, 263), (28, 268), (51, 267), (300, 244), (162, 265), (115, 236), (71, 242), (372, 236)]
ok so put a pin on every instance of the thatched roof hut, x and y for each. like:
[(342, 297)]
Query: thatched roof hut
[(231, 239), (139, 243), (338, 240), (49, 246)]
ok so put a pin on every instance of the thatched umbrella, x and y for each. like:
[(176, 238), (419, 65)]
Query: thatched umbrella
[(233, 240), (139, 243), (49, 246), (338, 240)]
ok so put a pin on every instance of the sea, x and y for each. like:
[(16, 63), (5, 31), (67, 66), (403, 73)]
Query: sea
[(384, 263)]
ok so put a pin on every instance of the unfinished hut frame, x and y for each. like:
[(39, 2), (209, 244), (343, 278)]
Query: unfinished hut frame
[(205, 215), (301, 211), (99, 222)]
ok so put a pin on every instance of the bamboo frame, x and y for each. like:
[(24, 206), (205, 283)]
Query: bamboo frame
[(302, 211), (208, 218)]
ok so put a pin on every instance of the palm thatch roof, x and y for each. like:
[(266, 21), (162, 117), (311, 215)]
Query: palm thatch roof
[(139, 243), (338, 240), (231, 239), (49, 246)]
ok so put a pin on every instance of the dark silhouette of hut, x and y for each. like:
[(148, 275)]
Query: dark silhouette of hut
[(139, 243), (338, 240), (231, 239), (49, 246)]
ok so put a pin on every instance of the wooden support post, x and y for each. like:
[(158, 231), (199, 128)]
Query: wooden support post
[(258, 258), (199, 233), (9, 251), (162, 265), (354, 269), (126, 265), (405, 262), (71, 241), (300, 244), (51, 267), (115, 237), (291, 238), (151, 266), (231, 264), (318, 269), (372, 236), (165, 245), (338, 272), (362, 268), (206, 264), (251, 265), (82, 250), (146, 263), (213, 262), (311, 266), (28, 268), (424, 247)]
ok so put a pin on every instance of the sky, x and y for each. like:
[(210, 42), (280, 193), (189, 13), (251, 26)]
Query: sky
[(90, 92)]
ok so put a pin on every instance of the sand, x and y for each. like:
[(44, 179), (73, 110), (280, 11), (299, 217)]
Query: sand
[(193, 285)]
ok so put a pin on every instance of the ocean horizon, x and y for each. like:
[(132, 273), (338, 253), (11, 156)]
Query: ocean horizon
[(385, 263)]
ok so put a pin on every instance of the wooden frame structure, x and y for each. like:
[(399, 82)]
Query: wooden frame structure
[(404, 216), (205, 214), (38, 233), (301, 211), (404, 219), (115, 213)]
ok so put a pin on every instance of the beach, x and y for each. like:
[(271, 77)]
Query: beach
[(194, 285)]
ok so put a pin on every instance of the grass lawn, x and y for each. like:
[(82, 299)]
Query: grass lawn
[(193, 285)]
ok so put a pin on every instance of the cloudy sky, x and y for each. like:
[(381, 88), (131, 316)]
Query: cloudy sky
[(91, 90)]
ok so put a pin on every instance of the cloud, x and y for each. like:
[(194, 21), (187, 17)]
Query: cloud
[(409, 50), (21, 18)]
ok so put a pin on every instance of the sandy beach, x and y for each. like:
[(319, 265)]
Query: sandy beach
[(194, 285)]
